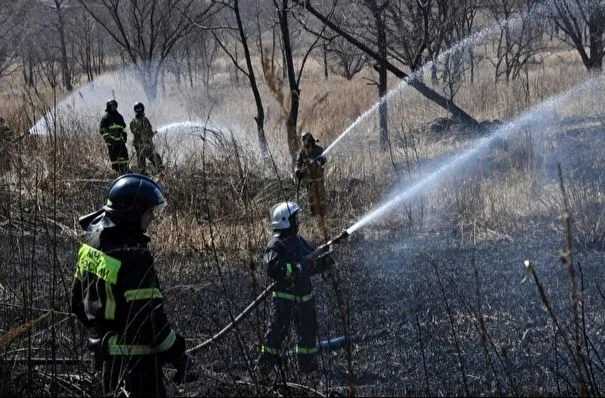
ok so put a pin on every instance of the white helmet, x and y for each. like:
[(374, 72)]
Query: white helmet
[(282, 213)]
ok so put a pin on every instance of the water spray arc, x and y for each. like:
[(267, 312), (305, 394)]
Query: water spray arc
[(412, 79), (543, 110), (432, 179)]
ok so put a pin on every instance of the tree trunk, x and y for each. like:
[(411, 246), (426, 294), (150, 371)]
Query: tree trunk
[(65, 72), (149, 78), (597, 28), (325, 54), (291, 131), (382, 80), (260, 111)]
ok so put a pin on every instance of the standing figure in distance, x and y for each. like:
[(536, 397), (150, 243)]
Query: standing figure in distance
[(113, 131), (143, 140), (309, 168), (293, 298), (117, 296)]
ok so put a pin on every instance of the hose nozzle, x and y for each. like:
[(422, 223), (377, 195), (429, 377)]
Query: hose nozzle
[(343, 235)]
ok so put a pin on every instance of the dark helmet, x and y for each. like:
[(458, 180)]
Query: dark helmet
[(308, 137), (131, 195), (139, 108), (111, 103)]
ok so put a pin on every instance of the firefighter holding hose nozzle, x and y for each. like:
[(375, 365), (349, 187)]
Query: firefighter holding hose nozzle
[(288, 262), (310, 169)]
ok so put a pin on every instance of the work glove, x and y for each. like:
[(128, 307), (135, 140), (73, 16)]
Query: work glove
[(184, 370)]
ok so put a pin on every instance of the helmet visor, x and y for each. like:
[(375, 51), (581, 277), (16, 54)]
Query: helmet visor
[(158, 210)]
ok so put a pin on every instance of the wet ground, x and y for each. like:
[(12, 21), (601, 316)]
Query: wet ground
[(429, 298)]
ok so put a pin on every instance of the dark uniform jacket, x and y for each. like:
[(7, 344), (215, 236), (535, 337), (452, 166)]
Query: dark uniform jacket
[(115, 289), (311, 171), (112, 127), (142, 131), (283, 252)]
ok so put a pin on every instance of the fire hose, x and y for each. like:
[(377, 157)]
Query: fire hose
[(318, 252)]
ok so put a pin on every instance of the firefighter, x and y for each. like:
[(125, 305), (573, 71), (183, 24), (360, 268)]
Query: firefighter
[(113, 131), (309, 168), (293, 296), (116, 293), (143, 140)]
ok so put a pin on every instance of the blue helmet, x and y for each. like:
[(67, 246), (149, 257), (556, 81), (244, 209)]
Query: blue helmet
[(131, 195)]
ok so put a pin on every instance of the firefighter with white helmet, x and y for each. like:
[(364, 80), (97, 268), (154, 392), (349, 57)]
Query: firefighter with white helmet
[(293, 296)]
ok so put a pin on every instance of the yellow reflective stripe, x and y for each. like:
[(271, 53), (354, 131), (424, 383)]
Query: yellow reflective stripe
[(288, 271), (127, 349), (115, 127), (96, 262), (167, 343), (268, 350), (120, 161), (293, 297), (143, 294), (110, 302), (305, 350)]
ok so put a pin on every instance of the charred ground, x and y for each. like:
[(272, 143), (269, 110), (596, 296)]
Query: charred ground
[(439, 290)]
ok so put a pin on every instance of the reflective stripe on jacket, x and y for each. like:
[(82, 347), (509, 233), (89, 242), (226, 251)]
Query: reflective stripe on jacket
[(115, 289)]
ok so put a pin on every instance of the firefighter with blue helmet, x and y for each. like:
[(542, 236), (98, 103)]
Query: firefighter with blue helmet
[(117, 296), (112, 128), (287, 263)]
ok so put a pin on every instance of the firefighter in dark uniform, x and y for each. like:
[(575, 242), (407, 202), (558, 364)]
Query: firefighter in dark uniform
[(293, 296), (117, 296), (309, 168), (143, 134), (113, 131)]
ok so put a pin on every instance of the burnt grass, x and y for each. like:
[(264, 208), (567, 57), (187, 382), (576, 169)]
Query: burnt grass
[(432, 314), (418, 301)]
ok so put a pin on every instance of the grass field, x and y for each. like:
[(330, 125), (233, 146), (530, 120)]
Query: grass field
[(439, 276)]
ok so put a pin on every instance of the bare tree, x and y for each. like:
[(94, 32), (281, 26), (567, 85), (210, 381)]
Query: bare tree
[(293, 74), (574, 18), (516, 46), (59, 8), (12, 33), (361, 43), (89, 43), (148, 30), (247, 70), (348, 59)]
